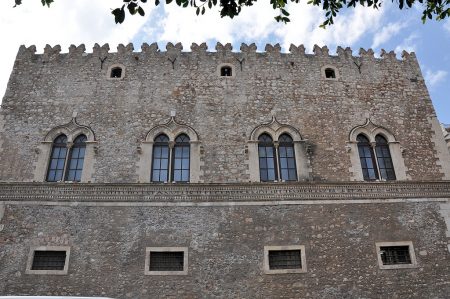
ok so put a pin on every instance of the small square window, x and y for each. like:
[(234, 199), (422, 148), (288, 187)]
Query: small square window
[(284, 259), (330, 74), (226, 71), (166, 260), (116, 72), (48, 260), (396, 255)]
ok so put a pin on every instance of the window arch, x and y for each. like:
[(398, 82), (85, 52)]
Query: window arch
[(66, 160), (172, 152), (330, 72), (375, 154), (226, 71), (66, 154), (116, 72), (277, 152)]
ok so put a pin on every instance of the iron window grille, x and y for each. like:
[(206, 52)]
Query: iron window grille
[(166, 261), (395, 255), (49, 260), (285, 259)]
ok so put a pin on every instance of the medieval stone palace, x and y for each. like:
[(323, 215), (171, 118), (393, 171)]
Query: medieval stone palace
[(222, 174)]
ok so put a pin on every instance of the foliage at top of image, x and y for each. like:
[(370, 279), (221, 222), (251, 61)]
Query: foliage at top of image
[(437, 9)]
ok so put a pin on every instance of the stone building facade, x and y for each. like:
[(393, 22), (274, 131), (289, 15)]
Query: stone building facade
[(256, 174)]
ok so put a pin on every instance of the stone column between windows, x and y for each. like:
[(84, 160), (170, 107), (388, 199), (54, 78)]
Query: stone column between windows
[(144, 164)]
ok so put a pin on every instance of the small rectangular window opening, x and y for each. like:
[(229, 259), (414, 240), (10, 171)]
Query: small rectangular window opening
[(49, 260), (285, 259), (116, 72), (167, 261), (330, 74), (395, 255), (226, 71)]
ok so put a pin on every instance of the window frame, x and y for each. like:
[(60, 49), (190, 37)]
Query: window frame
[(114, 66), (148, 251), (330, 67), (412, 255), (48, 272), (222, 65), (266, 265), (70, 145)]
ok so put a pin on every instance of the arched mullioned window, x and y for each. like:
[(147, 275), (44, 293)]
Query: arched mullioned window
[(267, 161), (367, 158), (61, 170), (286, 154), (376, 161), (57, 161), (384, 159), (181, 158), (76, 159), (161, 156)]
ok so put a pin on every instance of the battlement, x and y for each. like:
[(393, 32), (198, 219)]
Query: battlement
[(54, 53)]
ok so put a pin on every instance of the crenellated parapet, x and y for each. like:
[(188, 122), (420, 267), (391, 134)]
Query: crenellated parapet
[(221, 50)]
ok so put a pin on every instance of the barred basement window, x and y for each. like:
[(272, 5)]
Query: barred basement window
[(48, 260), (396, 255), (166, 261), (284, 259)]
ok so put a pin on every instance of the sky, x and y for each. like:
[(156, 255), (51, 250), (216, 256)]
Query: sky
[(90, 22)]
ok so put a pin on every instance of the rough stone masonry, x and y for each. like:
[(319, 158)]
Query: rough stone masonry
[(224, 217)]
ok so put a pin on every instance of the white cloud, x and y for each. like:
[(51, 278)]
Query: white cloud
[(434, 78), (408, 44), (387, 32), (64, 23)]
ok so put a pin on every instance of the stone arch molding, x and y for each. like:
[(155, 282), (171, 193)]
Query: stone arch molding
[(275, 129), (172, 129), (72, 130), (371, 130)]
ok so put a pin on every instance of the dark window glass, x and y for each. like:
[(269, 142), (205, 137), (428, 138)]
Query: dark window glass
[(285, 259), (167, 261), (394, 255), (116, 72), (160, 162), (57, 159), (384, 158), (266, 151), (49, 260), (287, 158), (367, 158), (76, 159), (329, 73), (181, 159), (226, 71)]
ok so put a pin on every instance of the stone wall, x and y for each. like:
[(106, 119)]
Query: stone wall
[(225, 248), (46, 89)]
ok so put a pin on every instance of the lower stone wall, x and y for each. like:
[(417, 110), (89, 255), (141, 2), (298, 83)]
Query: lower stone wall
[(225, 249)]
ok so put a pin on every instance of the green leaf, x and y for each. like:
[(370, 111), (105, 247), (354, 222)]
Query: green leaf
[(119, 15), (168, 1), (156, 2), (141, 11)]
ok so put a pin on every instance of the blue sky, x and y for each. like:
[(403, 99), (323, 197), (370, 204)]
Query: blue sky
[(90, 21)]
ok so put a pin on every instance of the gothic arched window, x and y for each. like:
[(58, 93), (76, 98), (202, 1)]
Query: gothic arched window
[(181, 158), (367, 158), (267, 166), (57, 161), (286, 157), (384, 159), (76, 159), (160, 162)]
